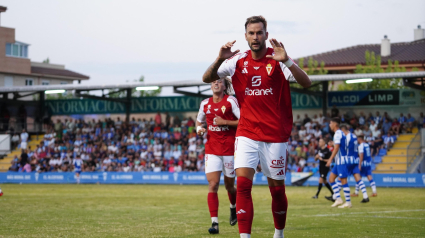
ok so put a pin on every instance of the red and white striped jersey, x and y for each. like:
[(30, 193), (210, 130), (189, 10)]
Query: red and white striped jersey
[(262, 89), (221, 139)]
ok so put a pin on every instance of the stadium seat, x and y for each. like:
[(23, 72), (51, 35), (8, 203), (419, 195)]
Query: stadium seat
[(310, 160), (373, 166), (382, 152), (377, 159)]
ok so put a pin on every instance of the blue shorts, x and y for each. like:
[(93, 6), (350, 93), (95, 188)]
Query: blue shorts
[(366, 171), (345, 170), (334, 170)]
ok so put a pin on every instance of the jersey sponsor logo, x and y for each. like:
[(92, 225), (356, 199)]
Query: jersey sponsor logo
[(256, 81), (257, 92), (280, 172), (244, 71), (269, 69), (223, 109), (278, 163), (229, 165), (218, 128), (256, 68)]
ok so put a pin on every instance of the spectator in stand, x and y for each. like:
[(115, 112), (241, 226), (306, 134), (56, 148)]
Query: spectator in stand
[(376, 132), (410, 123), (421, 121), (158, 119), (15, 140), (362, 119), (395, 127), (373, 126), (293, 156), (298, 122), (388, 141), (306, 119), (386, 126), (24, 139), (370, 118), (358, 131)]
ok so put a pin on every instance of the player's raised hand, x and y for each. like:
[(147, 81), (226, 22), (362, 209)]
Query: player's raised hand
[(279, 51), (226, 51)]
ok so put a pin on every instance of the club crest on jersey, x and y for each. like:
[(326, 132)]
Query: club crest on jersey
[(223, 109), (269, 68), (208, 110)]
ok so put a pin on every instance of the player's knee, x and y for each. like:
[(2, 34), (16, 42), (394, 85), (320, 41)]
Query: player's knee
[(213, 186)]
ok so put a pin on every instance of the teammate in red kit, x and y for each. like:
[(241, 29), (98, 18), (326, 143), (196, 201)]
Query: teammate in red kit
[(260, 78), (221, 114)]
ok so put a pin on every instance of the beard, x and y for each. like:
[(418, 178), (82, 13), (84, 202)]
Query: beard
[(260, 47)]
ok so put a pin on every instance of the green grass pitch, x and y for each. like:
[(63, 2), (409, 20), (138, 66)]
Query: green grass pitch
[(181, 211)]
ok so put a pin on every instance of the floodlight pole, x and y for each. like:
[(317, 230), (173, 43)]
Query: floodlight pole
[(41, 112), (128, 105)]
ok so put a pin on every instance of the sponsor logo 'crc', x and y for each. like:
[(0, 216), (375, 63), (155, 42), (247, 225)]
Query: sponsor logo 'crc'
[(278, 163)]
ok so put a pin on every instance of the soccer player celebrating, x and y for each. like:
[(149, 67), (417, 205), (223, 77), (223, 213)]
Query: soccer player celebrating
[(323, 155), (260, 78), (365, 161), (221, 113)]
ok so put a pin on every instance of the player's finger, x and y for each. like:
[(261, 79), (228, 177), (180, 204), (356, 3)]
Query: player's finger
[(282, 45), (276, 42), (269, 56), (272, 43), (235, 52)]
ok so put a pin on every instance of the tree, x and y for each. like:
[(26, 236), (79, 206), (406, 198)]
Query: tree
[(312, 69), (46, 61), (134, 92), (373, 65)]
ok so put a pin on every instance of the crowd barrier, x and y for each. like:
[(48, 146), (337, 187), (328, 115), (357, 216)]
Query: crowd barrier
[(303, 179)]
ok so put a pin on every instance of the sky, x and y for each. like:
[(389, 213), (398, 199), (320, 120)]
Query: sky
[(119, 41)]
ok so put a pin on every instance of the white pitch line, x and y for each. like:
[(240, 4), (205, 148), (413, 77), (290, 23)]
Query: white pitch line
[(354, 213), (414, 218)]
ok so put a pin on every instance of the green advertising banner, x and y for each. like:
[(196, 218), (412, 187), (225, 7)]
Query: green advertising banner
[(152, 105)]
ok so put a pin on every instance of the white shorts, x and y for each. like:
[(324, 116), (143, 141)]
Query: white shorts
[(272, 156), (223, 163), (24, 145)]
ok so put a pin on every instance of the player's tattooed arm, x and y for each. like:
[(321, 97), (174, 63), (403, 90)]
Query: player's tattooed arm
[(281, 55), (225, 52), (211, 74)]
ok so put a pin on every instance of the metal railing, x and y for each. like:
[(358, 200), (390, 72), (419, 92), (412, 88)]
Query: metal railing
[(413, 149)]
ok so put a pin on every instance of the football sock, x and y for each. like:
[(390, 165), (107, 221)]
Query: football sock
[(346, 189), (361, 185), (232, 199), (318, 189), (279, 206), (244, 206), (213, 205), (214, 219), (356, 191), (329, 187), (245, 235), (338, 182), (278, 233), (335, 187), (373, 186)]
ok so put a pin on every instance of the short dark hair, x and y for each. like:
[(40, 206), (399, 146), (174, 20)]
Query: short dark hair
[(336, 120), (344, 126), (256, 19), (361, 137)]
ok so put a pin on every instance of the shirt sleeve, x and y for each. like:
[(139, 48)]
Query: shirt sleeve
[(235, 106), (361, 148), (338, 137), (228, 67), (287, 72), (201, 114)]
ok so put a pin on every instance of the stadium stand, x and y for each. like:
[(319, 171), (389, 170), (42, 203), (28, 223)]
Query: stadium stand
[(173, 145)]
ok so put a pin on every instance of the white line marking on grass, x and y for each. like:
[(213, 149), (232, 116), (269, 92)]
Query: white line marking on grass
[(414, 218), (354, 213)]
